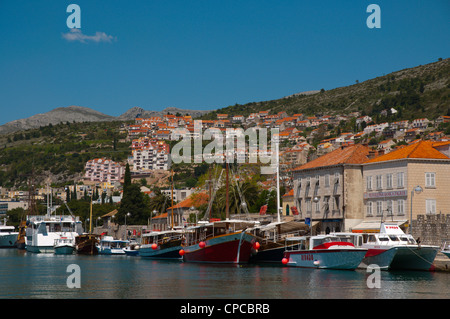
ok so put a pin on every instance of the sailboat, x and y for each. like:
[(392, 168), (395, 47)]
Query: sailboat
[(86, 244), (162, 244), (270, 238), (222, 241)]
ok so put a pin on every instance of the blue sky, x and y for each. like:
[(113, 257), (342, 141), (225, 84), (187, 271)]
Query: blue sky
[(203, 54)]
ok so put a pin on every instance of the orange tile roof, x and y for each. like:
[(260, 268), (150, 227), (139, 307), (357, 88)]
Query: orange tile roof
[(290, 193), (421, 149), (195, 200), (353, 154)]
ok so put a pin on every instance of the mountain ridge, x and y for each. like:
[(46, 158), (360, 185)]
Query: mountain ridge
[(85, 114)]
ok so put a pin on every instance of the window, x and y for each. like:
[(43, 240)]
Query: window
[(388, 181), (389, 208), (327, 180), (369, 208), (379, 208), (379, 179), (308, 205), (369, 182), (400, 180), (401, 207), (430, 179), (431, 206), (317, 206)]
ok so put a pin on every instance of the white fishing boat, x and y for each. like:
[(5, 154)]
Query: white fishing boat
[(110, 246), (8, 236), (43, 230), (392, 249), (65, 246), (322, 252)]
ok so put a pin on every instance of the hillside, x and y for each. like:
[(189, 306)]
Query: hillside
[(84, 114), (420, 91)]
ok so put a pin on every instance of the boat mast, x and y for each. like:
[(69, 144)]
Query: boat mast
[(227, 208), (90, 217), (278, 178), (172, 198)]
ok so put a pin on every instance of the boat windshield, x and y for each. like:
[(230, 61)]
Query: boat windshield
[(393, 237), (385, 239)]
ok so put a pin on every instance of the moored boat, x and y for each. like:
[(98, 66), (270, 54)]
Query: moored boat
[(219, 242), (110, 246), (86, 244), (403, 250), (162, 245), (42, 231), (270, 240), (8, 236), (64, 246), (322, 252)]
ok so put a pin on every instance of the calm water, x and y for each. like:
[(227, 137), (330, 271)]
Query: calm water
[(26, 275)]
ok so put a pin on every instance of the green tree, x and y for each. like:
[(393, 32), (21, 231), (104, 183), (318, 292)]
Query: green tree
[(133, 202)]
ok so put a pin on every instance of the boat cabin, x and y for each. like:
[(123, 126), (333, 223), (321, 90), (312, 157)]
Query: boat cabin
[(207, 230), (309, 242), (110, 242), (390, 239), (160, 237)]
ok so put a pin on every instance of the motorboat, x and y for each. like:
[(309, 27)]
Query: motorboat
[(8, 236), (64, 246), (392, 249), (322, 252), (43, 230), (133, 248), (162, 244), (110, 246), (225, 241)]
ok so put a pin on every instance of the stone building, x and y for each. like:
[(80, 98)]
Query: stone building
[(412, 180), (329, 189)]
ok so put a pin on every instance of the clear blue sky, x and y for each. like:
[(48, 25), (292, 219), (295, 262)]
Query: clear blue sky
[(203, 54)]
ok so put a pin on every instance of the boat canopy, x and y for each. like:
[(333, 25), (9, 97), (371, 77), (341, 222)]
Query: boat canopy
[(373, 226)]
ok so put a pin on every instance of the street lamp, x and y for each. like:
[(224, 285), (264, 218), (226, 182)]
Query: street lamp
[(416, 190), (126, 233), (315, 200)]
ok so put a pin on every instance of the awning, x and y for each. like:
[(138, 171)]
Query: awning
[(372, 226)]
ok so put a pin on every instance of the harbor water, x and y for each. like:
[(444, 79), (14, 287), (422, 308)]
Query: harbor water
[(26, 275)]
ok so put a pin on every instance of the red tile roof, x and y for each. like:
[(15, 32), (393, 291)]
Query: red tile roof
[(353, 154), (421, 149)]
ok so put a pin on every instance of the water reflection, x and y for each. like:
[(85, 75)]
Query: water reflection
[(26, 275)]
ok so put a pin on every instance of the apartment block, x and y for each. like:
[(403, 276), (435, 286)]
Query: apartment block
[(103, 170)]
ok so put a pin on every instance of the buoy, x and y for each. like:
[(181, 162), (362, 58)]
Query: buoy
[(284, 261), (181, 252), (256, 245), (202, 244), (154, 246)]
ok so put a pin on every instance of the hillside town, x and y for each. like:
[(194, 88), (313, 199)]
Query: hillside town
[(344, 171)]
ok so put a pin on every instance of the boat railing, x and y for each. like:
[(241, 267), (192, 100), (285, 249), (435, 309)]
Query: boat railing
[(281, 237)]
